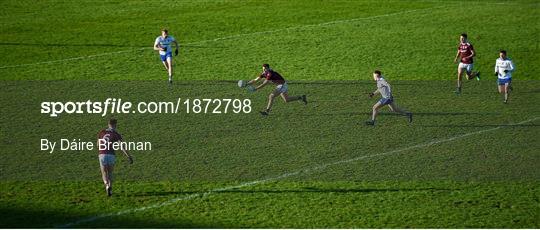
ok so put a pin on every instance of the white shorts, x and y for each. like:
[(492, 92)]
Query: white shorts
[(283, 88), (107, 159), (467, 67)]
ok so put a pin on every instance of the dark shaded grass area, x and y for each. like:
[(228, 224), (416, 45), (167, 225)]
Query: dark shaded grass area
[(485, 180), (247, 146), (276, 204)]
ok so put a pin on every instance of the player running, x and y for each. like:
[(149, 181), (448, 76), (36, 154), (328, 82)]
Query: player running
[(503, 70), (271, 76), (163, 45), (107, 156), (466, 53), (384, 89)]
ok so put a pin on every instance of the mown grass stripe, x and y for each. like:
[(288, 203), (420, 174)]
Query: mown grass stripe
[(224, 38)]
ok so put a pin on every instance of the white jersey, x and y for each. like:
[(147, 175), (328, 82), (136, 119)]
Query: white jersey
[(165, 42), (384, 88), (504, 64)]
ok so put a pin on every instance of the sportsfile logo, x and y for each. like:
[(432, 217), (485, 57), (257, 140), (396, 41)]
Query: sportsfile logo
[(119, 106)]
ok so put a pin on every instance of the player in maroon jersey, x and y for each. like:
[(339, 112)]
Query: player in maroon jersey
[(271, 76), (466, 53), (106, 138)]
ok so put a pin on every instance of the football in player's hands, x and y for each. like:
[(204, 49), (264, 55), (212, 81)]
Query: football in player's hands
[(505, 71)]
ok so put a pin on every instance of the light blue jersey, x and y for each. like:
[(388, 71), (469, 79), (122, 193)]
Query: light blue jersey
[(165, 43)]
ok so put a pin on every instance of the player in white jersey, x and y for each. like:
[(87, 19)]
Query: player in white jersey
[(163, 45), (503, 70), (384, 89)]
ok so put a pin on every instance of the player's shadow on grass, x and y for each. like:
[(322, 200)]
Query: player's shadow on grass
[(453, 113), (482, 126), (336, 190), (304, 190), (339, 113), (416, 115), (329, 82), (165, 193), (385, 113)]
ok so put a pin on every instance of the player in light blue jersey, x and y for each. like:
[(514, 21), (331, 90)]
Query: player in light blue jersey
[(503, 70), (163, 45), (387, 98)]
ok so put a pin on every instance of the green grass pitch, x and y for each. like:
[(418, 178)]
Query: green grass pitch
[(466, 161)]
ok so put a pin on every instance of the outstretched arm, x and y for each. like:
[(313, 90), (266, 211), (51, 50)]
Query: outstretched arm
[(262, 85), (253, 81)]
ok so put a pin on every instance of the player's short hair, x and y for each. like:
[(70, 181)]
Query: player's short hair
[(112, 121), (165, 30), (464, 35), (378, 72), (265, 65), (503, 52)]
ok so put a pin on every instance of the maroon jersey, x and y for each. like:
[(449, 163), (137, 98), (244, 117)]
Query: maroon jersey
[(465, 50), (272, 76), (108, 136)]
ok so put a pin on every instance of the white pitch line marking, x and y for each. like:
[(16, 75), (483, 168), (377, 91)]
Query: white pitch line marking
[(224, 38), (306, 170)]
